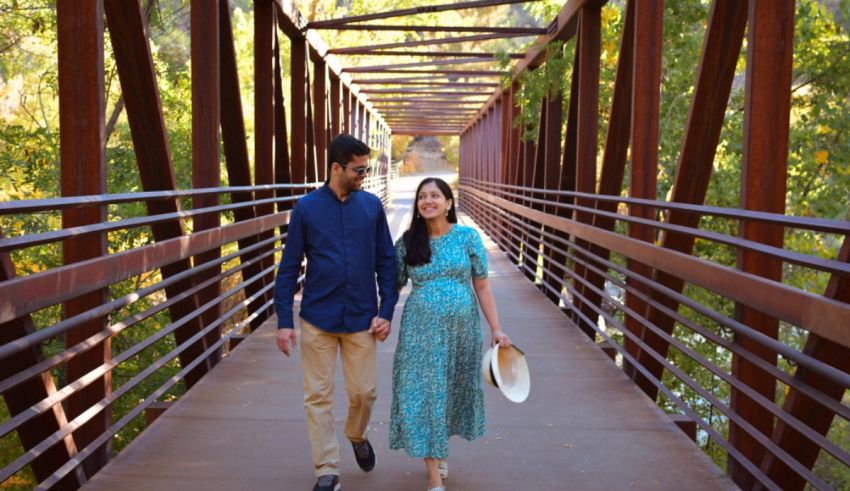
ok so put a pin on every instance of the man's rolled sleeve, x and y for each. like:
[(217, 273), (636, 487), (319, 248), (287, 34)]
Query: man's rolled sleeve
[(289, 270)]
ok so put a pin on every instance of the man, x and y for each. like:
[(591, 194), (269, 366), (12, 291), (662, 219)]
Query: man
[(344, 234)]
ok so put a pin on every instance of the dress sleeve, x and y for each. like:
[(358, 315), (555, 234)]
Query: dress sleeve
[(477, 255), (401, 267)]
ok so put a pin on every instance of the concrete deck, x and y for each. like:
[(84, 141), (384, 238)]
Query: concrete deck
[(585, 426)]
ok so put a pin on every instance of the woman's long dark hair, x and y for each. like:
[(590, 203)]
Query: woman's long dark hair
[(416, 237)]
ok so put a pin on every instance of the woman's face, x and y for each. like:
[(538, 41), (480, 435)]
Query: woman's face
[(431, 202)]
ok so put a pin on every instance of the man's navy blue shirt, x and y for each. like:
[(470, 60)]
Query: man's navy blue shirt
[(347, 244)]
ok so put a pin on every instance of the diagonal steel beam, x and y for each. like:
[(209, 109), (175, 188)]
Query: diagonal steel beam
[(723, 39), (236, 149), (804, 408), (144, 112)]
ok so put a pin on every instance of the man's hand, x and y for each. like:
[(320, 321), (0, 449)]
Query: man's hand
[(286, 336), (380, 328)]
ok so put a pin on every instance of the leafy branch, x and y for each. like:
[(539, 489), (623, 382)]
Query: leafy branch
[(535, 85)]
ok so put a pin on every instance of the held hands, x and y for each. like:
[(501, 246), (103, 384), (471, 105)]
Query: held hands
[(501, 338), (380, 328), (285, 337)]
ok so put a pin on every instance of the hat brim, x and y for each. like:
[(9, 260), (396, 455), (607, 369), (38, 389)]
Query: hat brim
[(509, 370)]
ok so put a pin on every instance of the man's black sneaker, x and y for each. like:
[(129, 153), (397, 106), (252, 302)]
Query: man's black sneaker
[(328, 482), (365, 455)]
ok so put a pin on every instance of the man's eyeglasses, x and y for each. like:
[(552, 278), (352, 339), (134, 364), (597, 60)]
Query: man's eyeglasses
[(361, 171)]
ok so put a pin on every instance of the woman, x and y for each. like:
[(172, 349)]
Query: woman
[(437, 368)]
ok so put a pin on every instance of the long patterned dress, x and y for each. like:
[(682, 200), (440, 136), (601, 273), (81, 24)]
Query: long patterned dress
[(436, 371)]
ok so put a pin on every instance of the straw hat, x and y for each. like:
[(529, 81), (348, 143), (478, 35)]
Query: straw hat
[(507, 369)]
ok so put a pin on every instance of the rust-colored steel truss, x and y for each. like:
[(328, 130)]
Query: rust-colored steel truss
[(613, 256), (768, 444)]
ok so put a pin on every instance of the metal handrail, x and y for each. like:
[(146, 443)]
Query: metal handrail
[(521, 230), (808, 223), (821, 315)]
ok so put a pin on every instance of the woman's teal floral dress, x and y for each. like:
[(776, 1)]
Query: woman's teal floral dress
[(437, 368)]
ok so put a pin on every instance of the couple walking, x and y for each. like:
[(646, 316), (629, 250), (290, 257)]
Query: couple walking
[(437, 392)]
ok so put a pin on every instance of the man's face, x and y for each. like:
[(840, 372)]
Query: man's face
[(351, 176)]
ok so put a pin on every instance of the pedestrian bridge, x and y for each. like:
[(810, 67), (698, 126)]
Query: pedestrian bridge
[(657, 362), (585, 425)]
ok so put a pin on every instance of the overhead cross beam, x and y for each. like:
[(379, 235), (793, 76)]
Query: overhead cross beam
[(441, 102), (426, 9), (465, 73), (425, 42), (434, 76), (419, 112), (433, 84), (415, 91), (425, 80), (368, 69), (481, 29), (481, 54)]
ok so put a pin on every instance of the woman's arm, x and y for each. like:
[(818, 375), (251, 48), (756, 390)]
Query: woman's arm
[(488, 306)]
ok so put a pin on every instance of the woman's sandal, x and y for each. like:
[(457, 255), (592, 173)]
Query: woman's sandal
[(443, 467)]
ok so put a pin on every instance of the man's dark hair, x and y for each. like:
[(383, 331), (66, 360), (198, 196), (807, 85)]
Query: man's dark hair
[(343, 148)]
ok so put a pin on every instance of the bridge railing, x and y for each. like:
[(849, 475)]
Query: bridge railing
[(661, 335), (108, 302), (137, 356)]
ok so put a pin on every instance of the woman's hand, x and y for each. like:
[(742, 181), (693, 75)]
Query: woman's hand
[(501, 338)]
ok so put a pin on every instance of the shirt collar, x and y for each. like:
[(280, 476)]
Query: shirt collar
[(327, 189)]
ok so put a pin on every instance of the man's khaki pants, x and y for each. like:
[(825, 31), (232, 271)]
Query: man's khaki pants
[(318, 359)]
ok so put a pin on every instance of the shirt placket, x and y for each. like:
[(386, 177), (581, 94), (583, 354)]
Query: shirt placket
[(347, 237)]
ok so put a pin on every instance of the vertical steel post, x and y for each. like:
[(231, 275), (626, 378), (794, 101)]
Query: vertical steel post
[(346, 110), (264, 150), (83, 172), (206, 168), (335, 106), (770, 40), (298, 100), (587, 132), (236, 150), (646, 95), (723, 39), (320, 131)]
